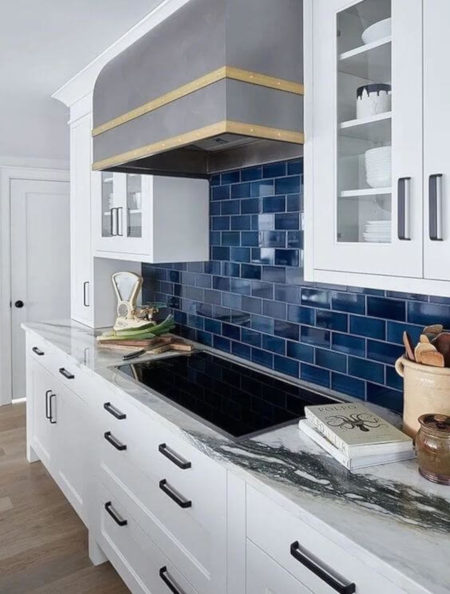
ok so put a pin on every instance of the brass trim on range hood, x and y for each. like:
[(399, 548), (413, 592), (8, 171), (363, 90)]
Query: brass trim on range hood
[(255, 78), (225, 126)]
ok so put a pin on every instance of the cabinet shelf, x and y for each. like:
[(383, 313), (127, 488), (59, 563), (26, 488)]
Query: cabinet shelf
[(375, 128), (365, 192), (371, 61)]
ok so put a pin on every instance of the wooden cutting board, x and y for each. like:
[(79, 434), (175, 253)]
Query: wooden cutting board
[(146, 343)]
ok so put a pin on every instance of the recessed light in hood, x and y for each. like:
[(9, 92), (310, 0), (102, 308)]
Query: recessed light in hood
[(216, 85)]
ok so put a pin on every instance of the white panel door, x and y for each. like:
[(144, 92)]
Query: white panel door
[(367, 205), (40, 262), (436, 17)]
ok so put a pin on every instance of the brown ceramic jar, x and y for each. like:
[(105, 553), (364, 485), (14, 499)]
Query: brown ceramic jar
[(433, 448)]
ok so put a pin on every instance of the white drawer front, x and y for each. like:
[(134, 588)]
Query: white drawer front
[(265, 576), (140, 562), (297, 547)]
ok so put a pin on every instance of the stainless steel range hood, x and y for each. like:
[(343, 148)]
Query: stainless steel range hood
[(217, 85)]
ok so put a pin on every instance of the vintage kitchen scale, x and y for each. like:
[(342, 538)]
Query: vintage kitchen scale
[(127, 286)]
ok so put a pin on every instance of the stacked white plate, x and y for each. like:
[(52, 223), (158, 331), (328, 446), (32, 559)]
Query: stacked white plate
[(377, 231)]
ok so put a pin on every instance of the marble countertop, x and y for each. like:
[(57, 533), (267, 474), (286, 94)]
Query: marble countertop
[(386, 513)]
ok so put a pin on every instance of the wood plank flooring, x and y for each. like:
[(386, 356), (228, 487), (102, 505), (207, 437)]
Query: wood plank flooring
[(43, 543)]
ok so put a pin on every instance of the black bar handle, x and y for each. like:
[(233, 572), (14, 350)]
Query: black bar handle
[(435, 207), (164, 575), (404, 205), (115, 412), (47, 408), (52, 419), (170, 455), (168, 490), (331, 578), (85, 293), (113, 441), (38, 351), (111, 221), (114, 515), (119, 225), (66, 373)]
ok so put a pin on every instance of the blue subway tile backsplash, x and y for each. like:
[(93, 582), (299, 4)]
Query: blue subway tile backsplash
[(251, 299)]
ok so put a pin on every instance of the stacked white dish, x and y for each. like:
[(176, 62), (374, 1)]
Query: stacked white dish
[(378, 167), (377, 231)]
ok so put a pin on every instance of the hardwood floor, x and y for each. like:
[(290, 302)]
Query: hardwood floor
[(43, 543)]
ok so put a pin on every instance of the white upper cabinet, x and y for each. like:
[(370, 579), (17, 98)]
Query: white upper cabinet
[(150, 218), (375, 75)]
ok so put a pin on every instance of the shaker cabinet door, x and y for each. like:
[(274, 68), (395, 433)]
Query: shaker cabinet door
[(436, 134), (366, 136)]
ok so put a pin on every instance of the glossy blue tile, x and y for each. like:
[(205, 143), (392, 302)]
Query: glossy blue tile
[(274, 204), (286, 329), (221, 313), (390, 309), (214, 297), (300, 351), (383, 351), (220, 253), (212, 267), (262, 357), (261, 188), (291, 294), (230, 207), (205, 338), (214, 238), (264, 256), (289, 221), (250, 238), (263, 222), (315, 336), (203, 281), (274, 344), (230, 331), (250, 206), (284, 365), (286, 257), (295, 167), (393, 380), (301, 315), (443, 300), (274, 169), (349, 344), (230, 269), (231, 300), (240, 190), (272, 239), (428, 313), (367, 370), (215, 180), (331, 360), (231, 177), (275, 309), (215, 207), (220, 192), (240, 223), (262, 324), (174, 276), (250, 271), (274, 274), (221, 283), (384, 396), (241, 286), (251, 304), (395, 332), (195, 322), (287, 185), (294, 239), (315, 298), (241, 350), (349, 302), (348, 385), (294, 276), (293, 203), (370, 327), (315, 375), (240, 254), (223, 344), (251, 173), (262, 289), (231, 238), (331, 320), (251, 337), (406, 296)]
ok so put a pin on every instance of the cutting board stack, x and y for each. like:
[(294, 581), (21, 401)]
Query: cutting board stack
[(432, 349), (155, 346)]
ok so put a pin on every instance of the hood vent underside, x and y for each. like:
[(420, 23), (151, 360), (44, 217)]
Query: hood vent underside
[(216, 86)]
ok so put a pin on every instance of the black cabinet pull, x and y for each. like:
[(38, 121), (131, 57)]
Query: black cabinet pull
[(404, 205), (435, 207), (85, 293), (119, 219), (114, 515), (51, 418), (113, 441), (164, 575), (168, 490), (115, 412), (170, 455), (66, 373), (47, 408), (38, 351), (331, 578), (111, 221)]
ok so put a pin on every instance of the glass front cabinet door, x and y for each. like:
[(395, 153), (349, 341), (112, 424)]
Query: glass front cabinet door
[(366, 155)]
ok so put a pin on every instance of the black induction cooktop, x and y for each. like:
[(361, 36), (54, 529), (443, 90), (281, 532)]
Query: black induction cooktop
[(233, 398)]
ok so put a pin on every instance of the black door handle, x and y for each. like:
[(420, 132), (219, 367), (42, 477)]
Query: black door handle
[(114, 515), (47, 409), (115, 412), (19, 304), (168, 490), (66, 373), (38, 351), (113, 441), (331, 578), (85, 293), (164, 575), (170, 455), (50, 406)]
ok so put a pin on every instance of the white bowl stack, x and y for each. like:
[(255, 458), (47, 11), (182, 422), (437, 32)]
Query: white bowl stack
[(378, 167), (377, 231)]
